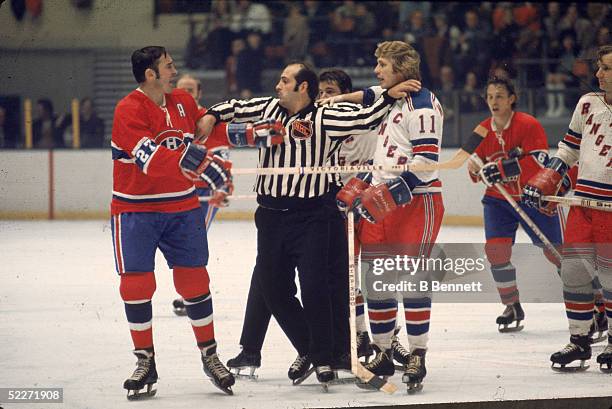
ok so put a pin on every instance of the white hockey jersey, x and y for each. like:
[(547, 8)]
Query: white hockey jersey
[(411, 132), (589, 141)]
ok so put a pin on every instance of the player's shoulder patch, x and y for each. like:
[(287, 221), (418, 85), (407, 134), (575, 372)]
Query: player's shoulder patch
[(420, 100)]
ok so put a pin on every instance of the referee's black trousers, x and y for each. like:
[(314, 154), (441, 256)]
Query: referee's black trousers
[(300, 237)]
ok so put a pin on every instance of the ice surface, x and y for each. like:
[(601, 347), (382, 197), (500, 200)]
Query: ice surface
[(62, 324)]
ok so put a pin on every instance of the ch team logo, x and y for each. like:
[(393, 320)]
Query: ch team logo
[(171, 138)]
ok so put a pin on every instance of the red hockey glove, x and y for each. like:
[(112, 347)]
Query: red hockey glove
[(376, 202), (345, 199), (261, 134), (219, 197), (546, 182)]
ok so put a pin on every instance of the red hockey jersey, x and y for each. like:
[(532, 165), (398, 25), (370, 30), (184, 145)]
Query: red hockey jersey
[(147, 143), (522, 130)]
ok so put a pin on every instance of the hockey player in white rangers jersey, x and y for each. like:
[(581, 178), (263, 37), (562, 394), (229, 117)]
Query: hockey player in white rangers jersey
[(400, 212), (588, 141)]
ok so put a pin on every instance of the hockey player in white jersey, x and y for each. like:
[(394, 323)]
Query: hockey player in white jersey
[(404, 210), (588, 234)]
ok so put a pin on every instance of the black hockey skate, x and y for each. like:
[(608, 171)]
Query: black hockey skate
[(381, 365), (364, 349), (605, 359), (218, 373), (300, 369), (599, 328), (178, 306), (579, 349), (325, 376), (512, 313), (245, 360), (415, 371), (400, 354), (145, 376)]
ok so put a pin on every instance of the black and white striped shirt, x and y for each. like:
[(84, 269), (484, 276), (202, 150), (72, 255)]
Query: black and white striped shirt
[(313, 135)]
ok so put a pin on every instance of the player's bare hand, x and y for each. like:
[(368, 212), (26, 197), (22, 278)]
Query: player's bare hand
[(330, 100), (205, 126), (402, 89)]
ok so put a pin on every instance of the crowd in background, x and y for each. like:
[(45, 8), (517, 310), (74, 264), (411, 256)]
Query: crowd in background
[(459, 41), (548, 46)]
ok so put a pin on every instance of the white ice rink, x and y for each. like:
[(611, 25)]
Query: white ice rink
[(62, 324)]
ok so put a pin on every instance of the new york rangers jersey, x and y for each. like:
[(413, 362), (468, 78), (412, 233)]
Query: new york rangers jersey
[(521, 131), (589, 141), (147, 142), (411, 132)]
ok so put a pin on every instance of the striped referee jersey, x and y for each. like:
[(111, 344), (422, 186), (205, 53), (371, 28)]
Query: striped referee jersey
[(312, 137)]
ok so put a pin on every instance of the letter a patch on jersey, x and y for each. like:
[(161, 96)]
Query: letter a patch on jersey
[(301, 129)]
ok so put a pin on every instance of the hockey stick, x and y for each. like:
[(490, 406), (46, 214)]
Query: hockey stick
[(525, 217), (356, 368), (577, 201), (455, 162), (316, 170), (232, 197)]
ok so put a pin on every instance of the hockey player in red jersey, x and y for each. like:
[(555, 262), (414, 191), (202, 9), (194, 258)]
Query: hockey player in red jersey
[(155, 206), (514, 147), (588, 235)]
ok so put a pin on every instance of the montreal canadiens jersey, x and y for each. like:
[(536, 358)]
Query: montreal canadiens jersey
[(521, 131), (147, 143), (216, 142), (589, 140), (411, 132)]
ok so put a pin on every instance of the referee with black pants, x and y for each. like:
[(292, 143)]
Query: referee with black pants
[(293, 221)]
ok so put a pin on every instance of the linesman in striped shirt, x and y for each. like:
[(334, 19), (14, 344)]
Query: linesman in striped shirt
[(292, 219)]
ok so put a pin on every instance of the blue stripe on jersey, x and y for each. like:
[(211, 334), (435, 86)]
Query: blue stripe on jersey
[(421, 99), (432, 156), (592, 183), (575, 134), (368, 97), (567, 296), (119, 154), (139, 313), (417, 302), (155, 199), (424, 141)]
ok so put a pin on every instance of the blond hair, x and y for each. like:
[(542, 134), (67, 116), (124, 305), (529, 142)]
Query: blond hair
[(404, 59)]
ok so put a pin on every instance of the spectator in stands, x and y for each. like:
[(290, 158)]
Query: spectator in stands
[(45, 134), (231, 67), (447, 89), (249, 66), (416, 29), (250, 17), (295, 34), (438, 48), (219, 39), (407, 9), (91, 127), (474, 41), (343, 32), (572, 21), (471, 100), (562, 78), (552, 30), (365, 22), (528, 44), (505, 36)]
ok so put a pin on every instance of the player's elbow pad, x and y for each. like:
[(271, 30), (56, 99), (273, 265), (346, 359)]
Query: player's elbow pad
[(557, 165)]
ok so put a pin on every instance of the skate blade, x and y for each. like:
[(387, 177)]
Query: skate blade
[(602, 336), (414, 387), (504, 328), (343, 381), (325, 386), (148, 393), (399, 367), (250, 376), (604, 369), (570, 369), (227, 390), (304, 377), (180, 313)]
